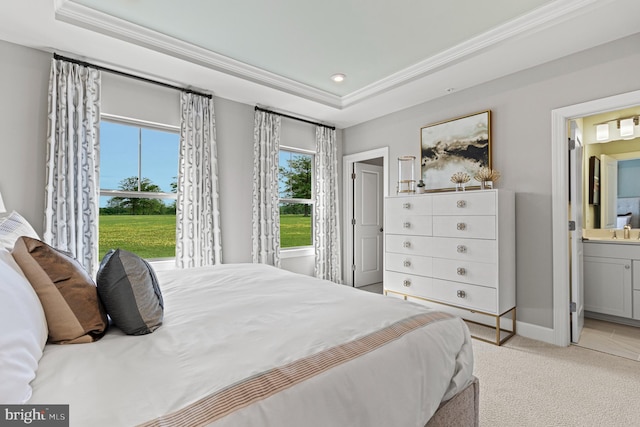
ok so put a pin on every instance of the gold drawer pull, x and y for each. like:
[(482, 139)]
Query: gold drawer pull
[(461, 226), (461, 249), (406, 244), (461, 204), (406, 283), (406, 224), (406, 205), (461, 271), (406, 263), (461, 294)]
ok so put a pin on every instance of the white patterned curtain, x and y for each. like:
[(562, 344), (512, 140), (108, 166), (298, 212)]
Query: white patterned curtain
[(73, 156), (198, 240), (326, 226), (266, 209)]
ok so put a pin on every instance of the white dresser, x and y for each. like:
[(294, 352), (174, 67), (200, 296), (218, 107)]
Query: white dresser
[(455, 252)]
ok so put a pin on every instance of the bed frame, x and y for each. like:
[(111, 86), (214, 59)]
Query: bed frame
[(462, 410)]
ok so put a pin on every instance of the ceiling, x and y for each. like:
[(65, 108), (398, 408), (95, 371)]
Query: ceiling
[(281, 53)]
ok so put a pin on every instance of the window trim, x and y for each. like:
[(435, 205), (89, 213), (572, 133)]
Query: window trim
[(308, 250)]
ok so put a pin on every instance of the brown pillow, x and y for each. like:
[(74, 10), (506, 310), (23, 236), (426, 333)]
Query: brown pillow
[(68, 295)]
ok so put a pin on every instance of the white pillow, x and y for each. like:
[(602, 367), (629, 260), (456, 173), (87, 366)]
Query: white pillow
[(13, 226), (623, 220), (23, 332)]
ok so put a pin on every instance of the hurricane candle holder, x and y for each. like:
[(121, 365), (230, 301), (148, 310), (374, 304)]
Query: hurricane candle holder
[(406, 174)]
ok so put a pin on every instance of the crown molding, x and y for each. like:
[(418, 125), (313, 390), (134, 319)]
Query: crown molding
[(536, 20), (91, 19)]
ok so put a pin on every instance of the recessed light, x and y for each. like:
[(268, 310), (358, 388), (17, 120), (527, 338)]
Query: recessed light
[(338, 78)]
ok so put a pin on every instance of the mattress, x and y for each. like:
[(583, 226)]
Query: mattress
[(248, 344)]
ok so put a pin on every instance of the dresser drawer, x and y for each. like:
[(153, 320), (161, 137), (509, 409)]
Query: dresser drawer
[(408, 264), (476, 273), (409, 224), (407, 283), (465, 203), (411, 245), (465, 249), (411, 205), (471, 227), (464, 295)]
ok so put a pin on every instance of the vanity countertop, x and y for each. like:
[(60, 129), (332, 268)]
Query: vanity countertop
[(606, 236)]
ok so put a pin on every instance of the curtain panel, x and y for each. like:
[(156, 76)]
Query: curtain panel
[(266, 209), (198, 241), (72, 164), (326, 225)]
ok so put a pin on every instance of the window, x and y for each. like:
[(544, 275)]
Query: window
[(138, 184), (296, 204)]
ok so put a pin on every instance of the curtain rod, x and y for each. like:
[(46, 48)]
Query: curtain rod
[(133, 76), (295, 118)]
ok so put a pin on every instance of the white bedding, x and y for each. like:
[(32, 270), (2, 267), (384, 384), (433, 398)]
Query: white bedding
[(226, 323)]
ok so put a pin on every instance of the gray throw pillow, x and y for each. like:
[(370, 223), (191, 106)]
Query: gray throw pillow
[(130, 292)]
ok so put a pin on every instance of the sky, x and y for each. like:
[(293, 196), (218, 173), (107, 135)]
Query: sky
[(119, 156)]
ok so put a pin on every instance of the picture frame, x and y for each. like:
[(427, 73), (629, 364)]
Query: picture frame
[(462, 144), (594, 181)]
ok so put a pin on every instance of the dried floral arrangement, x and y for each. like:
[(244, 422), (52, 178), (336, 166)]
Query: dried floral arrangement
[(460, 178), (487, 174)]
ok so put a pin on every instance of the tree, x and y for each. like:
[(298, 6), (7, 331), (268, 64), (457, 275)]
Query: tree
[(297, 183), (134, 205)]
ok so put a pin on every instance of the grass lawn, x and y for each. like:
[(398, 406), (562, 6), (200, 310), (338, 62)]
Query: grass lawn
[(149, 236), (154, 236), (295, 230)]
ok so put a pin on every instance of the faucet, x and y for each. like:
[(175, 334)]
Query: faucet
[(627, 231)]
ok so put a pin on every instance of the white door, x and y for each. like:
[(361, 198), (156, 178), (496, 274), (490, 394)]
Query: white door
[(367, 224), (609, 191), (575, 236)]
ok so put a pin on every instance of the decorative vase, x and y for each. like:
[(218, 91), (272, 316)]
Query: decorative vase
[(486, 185), (460, 186)]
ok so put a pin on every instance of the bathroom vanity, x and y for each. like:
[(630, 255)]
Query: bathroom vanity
[(612, 274)]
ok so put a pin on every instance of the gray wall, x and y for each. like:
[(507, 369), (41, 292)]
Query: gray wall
[(521, 107), (24, 79)]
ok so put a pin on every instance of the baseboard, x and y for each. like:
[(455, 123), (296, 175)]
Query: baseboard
[(535, 332)]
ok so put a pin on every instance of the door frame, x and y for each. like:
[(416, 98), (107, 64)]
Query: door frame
[(347, 168), (560, 197)]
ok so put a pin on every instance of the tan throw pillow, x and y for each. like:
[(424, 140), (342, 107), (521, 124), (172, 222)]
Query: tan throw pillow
[(68, 295)]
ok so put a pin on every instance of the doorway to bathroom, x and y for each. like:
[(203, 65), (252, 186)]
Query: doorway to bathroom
[(606, 327)]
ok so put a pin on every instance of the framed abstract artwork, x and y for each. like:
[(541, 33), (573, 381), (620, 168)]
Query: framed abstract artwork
[(462, 144)]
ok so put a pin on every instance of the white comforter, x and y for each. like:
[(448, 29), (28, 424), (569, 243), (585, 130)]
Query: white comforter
[(226, 323)]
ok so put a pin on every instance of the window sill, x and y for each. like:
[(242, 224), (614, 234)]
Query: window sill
[(163, 264), (297, 252)]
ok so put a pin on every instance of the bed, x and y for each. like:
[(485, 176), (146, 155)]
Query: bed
[(628, 209), (253, 345)]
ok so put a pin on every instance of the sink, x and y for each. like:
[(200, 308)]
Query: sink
[(606, 236)]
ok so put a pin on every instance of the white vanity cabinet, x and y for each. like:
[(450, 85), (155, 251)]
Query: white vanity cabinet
[(612, 278), (607, 286), (454, 251), (636, 289)]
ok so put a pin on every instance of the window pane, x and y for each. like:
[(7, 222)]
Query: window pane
[(118, 154), (160, 158), (149, 236), (122, 145), (295, 225), (295, 175)]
